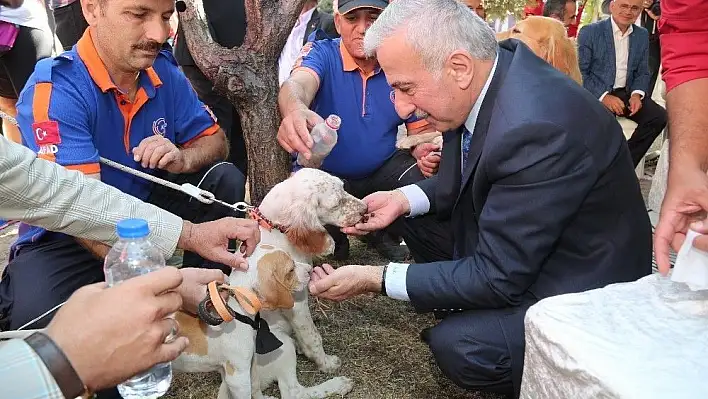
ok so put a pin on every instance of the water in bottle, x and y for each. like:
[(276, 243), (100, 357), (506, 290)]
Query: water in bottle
[(134, 255), (324, 137)]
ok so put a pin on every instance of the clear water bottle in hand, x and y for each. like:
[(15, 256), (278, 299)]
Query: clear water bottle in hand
[(324, 137), (134, 255)]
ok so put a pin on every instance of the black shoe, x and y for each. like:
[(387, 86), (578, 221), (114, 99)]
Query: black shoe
[(389, 248)]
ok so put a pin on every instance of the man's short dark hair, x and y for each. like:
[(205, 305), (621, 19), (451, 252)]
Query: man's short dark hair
[(555, 7)]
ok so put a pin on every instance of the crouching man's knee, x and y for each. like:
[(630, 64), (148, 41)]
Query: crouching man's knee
[(470, 357)]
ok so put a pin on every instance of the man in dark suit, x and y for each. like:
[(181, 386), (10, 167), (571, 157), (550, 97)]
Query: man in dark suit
[(613, 58), (536, 188)]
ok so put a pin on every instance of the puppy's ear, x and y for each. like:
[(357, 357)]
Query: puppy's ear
[(303, 228), (276, 280)]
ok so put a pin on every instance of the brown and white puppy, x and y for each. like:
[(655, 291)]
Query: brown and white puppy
[(300, 206), (548, 39), (230, 347)]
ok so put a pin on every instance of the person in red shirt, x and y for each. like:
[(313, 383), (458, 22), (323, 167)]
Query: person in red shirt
[(573, 28), (537, 10), (684, 55)]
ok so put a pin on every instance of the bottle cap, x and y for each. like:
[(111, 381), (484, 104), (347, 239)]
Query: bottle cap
[(333, 121), (133, 228)]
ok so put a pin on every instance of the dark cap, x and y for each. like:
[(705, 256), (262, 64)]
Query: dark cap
[(345, 6)]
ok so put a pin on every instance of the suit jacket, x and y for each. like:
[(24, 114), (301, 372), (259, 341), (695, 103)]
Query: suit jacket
[(45, 194), (548, 203), (596, 57), (321, 24)]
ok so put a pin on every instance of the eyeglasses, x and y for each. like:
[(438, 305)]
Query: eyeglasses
[(628, 8)]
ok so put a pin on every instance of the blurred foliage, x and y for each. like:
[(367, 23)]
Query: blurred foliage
[(495, 8), (325, 5), (500, 8)]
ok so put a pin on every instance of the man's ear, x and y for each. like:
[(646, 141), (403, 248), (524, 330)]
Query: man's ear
[(338, 22), (91, 10), (461, 67), (276, 280)]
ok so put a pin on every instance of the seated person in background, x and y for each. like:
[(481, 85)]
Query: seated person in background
[(562, 10), (613, 57), (125, 100), (335, 77), (548, 39)]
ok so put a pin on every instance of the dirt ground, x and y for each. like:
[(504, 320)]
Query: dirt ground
[(376, 338)]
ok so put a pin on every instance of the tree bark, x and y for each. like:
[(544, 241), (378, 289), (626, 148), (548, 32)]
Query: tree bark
[(247, 76)]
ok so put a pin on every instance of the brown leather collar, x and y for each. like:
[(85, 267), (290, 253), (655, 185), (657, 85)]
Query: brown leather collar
[(264, 222)]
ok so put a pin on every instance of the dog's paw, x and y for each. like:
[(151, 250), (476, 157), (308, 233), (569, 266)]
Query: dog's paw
[(345, 385), (330, 364)]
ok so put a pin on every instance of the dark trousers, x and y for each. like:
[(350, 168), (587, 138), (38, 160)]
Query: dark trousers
[(45, 274), (480, 350), (17, 64), (70, 24), (226, 115), (654, 62), (651, 120)]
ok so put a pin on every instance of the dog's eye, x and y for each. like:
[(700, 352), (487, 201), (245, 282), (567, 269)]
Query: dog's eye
[(515, 30)]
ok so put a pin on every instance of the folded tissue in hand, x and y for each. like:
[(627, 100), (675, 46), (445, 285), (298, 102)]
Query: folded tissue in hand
[(691, 265)]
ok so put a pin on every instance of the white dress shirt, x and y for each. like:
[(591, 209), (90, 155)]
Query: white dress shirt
[(293, 46), (420, 204), (621, 57)]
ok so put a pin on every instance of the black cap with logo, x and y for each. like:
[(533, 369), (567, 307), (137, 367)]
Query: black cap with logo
[(345, 6)]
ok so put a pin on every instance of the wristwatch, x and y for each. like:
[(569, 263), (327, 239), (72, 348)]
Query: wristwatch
[(383, 281), (59, 366)]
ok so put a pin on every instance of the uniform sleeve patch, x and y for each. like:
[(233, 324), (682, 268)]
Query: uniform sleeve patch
[(46, 133)]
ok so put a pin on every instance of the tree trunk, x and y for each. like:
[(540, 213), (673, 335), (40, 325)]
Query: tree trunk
[(247, 76)]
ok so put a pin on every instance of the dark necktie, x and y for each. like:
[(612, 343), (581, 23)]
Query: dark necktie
[(466, 140)]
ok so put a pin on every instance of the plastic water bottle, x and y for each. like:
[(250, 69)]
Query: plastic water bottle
[(134, 255), (324, 137)]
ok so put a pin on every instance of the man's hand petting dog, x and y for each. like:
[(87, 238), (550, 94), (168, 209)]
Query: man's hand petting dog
[(427, 158), (211, 240), (112, 334), (159, 152), (344, 282), (294, 131), (383, 208)]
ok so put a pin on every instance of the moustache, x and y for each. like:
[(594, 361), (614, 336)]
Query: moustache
[(152, 47)]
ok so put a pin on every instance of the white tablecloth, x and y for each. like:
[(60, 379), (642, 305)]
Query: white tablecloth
[(646, 339)]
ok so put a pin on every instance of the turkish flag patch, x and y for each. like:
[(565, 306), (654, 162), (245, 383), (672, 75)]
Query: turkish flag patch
[(46, 132)]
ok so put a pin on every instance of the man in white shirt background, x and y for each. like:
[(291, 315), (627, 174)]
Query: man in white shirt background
[(312, 24), (613, 55)]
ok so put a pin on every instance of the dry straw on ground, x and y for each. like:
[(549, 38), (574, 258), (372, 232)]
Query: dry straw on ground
[(378, 341)]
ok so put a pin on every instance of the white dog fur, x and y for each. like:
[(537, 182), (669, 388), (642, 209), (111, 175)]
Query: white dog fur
[(302, 205)]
